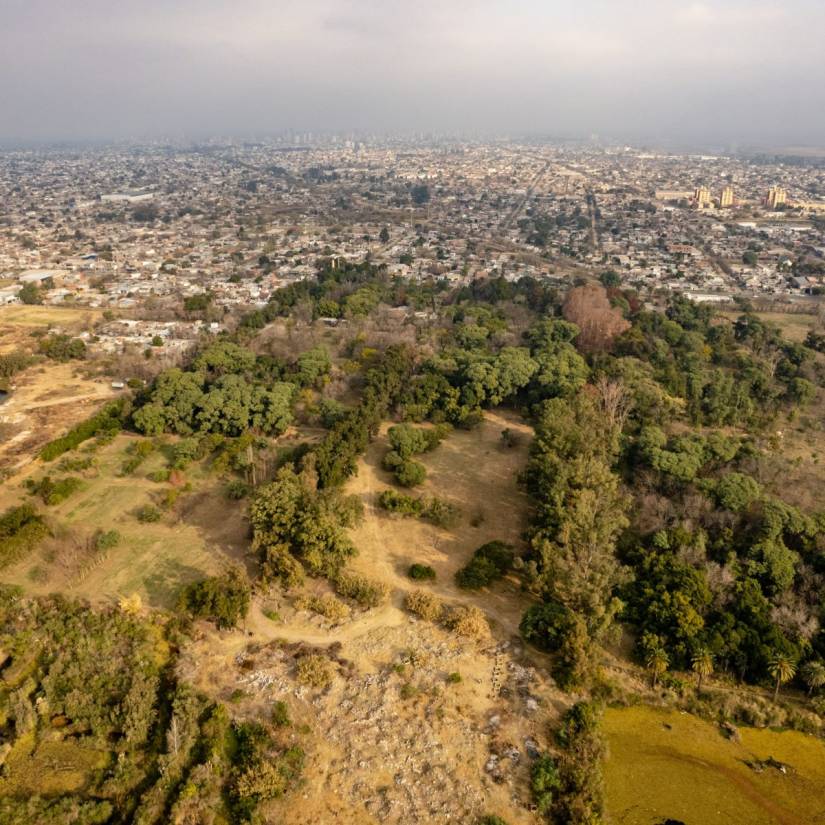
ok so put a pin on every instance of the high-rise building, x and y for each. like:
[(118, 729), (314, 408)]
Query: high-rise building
[(776, 197), (701, 197), (726, 200)]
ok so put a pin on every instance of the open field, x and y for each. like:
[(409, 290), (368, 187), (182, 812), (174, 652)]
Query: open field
[(200, 535), (46, 401), (794, 325), (68, 318), (473, 471), (391, 740), (666, 764)]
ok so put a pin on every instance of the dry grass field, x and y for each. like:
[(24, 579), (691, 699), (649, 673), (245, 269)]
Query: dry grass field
[(47, 400), (201, 534), (475, 472), (666, 764)]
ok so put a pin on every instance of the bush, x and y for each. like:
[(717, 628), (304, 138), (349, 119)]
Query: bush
[(280, 715), (327, 606), (106, 540), (221, 599), (366, 592), (421, 572), (21, 529), (237, 489), (314, 671), (148, 514), (395, 502), (54, 492), (454, 678), (424, 605), (62, 347), (468, 621), (544, 781), (545, 625), (410, 474), (108, 420), (489, 563)]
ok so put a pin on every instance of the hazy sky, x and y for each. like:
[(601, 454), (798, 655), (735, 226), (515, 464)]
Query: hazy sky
[(727, 71)]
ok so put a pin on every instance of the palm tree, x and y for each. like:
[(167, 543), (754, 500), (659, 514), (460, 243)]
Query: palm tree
[(813, 673), (783, 669), (702, 663), (657, 663)]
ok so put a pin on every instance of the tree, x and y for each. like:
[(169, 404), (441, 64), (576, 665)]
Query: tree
[(599, 324), (30, 294), (702, 664), (657, 662), (813, 673), (222, 599), (782, 668), (384, 235), (420, 194)]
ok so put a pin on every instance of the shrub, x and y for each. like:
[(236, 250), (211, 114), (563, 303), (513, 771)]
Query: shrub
[(148, 514), (545, 625), (395, 502), (410, 474), (108, 420), (442, 513), (221, 599), (424, 605), (366, 592), (106, 540), (453, 678), (21, 529), (421, 572), (327, 606), (314, 671), (280, 715), (54, 492), (489, 563), (544, 780), (237, 489), (468, 621)]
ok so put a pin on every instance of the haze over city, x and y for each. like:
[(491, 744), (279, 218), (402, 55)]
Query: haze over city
[(719, 73)]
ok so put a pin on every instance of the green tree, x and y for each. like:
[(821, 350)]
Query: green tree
[(702, 664), (813, 673), (782, 668), (30, 294), (657, 662)]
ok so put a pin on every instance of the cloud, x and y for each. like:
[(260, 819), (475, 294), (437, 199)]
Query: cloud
[(623, 67)]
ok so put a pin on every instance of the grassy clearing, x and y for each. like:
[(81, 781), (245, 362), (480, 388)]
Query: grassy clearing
[(665, 764), (794, 325), (45, 316), (52, 768), (474, 472), (197, 537)]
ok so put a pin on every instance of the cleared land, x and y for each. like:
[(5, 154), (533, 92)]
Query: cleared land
[(392, 739), (794, 325), (665, 764), (198, 536), (45, 402), (475, 472)]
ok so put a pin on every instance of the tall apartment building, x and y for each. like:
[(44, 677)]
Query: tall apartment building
[(726, 199), (776, 197), (701, 197)]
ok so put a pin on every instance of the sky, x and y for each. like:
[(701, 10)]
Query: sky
[(716, 72)]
